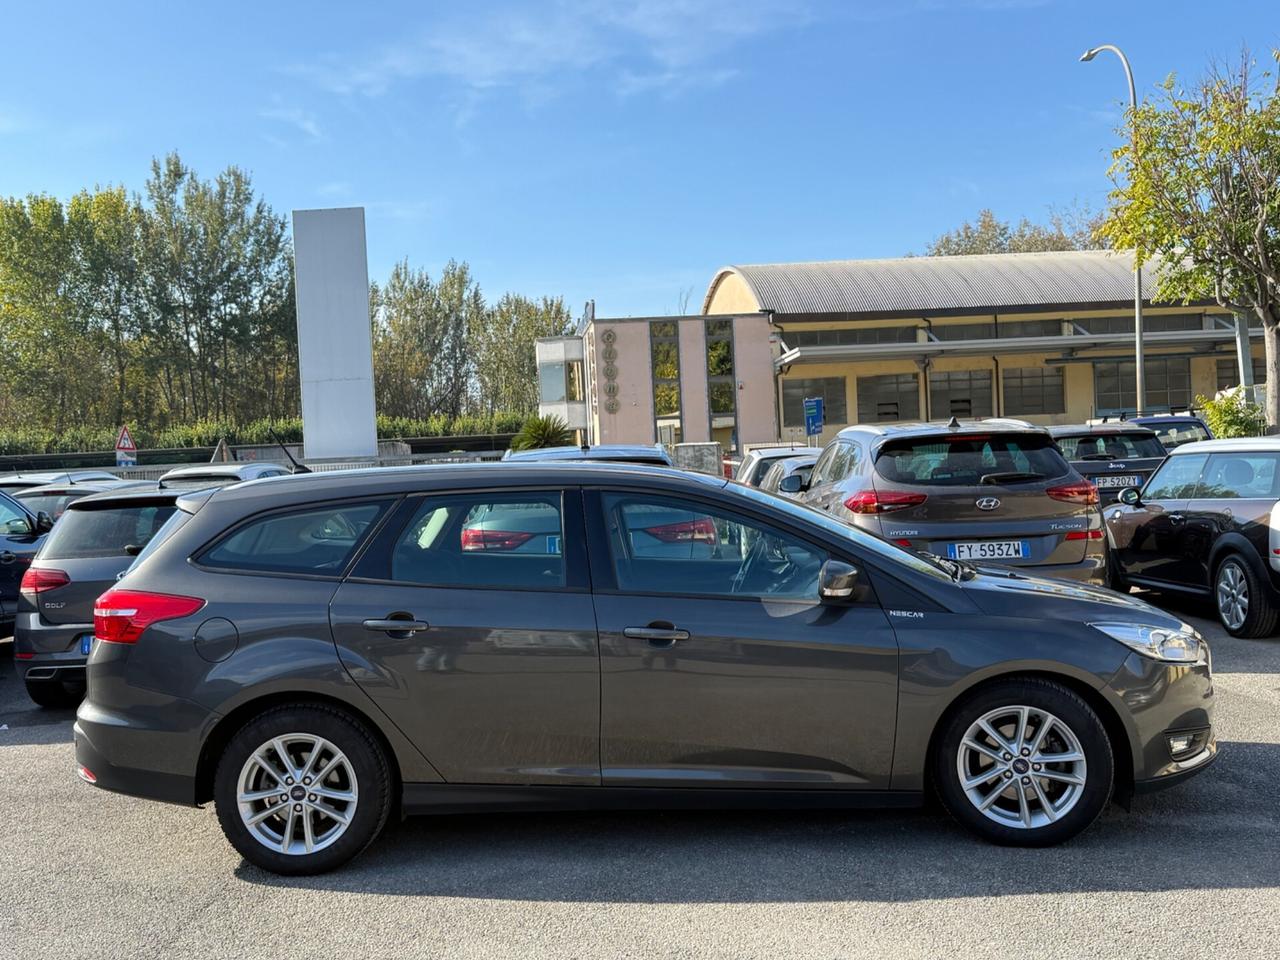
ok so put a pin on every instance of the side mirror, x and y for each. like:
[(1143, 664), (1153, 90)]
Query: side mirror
[(44, 522), (1130, 496), (836, 580), (791, 484)]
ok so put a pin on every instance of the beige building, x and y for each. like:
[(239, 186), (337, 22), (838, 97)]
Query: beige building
[(1043, 336)]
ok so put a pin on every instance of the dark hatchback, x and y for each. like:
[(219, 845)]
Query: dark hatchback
[(1207, 523), (97, 537), (1111, 456), (21, 533), (311, 654)]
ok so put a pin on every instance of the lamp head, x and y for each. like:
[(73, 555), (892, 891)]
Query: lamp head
[(1088, 55)]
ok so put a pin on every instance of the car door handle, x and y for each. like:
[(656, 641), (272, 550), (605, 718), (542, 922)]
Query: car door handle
[(392, 625), (658, 635)]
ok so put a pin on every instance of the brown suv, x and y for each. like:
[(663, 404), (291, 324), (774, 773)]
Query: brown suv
[(982, 491)]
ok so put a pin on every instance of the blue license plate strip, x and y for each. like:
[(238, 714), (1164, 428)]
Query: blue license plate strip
[(86, 643)]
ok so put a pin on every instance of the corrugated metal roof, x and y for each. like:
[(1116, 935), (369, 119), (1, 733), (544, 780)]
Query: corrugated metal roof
[(921, 285)]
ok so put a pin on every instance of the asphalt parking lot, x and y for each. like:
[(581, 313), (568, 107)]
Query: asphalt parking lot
[(1192, 872)]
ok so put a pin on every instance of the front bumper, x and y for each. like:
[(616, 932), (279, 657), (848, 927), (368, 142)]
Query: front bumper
[(1162, 700)]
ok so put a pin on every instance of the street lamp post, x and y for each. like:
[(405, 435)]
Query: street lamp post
[(1141, 378)]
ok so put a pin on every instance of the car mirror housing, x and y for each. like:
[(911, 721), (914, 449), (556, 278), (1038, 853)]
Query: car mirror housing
[(1130, 496), (44, 522), (836, 581), (791, 484)]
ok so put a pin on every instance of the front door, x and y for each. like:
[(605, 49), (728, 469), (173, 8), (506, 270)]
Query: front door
[(1235, 495), (719, 666), (1151, 538), (469, 622)]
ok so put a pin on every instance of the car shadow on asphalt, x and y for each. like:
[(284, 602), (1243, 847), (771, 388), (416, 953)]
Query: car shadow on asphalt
[(1218, 830)]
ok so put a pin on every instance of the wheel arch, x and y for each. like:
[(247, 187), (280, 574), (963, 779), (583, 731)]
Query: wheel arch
[(1234, 543), (218, 738), (1122, 746)]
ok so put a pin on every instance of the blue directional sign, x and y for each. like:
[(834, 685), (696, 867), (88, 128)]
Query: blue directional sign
[(813, 418)]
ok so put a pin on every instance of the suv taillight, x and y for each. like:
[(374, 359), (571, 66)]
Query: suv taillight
[(1084, 493), (120, 616), (37, 580), (887, 501), (474, 538)]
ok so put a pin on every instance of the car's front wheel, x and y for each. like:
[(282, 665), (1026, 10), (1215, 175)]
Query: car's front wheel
[(1244, 605), (1024, 762), (302, 789)]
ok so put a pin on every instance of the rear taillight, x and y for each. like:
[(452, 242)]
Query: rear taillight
[(38, 580), (1085, 535), (887, 501), (120, 616), (1084, 493), (702, 530), (473, 538)]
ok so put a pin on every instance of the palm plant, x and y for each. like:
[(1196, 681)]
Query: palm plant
[(539, 432)]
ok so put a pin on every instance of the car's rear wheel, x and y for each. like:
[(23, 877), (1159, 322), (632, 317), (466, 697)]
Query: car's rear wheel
[(55, 694), (302, 789), (1244, 604), (1024, 762)]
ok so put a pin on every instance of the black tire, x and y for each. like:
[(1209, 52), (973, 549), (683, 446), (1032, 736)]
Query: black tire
[(368, 762), (1262, 615), (1068, 708), (54, 694)]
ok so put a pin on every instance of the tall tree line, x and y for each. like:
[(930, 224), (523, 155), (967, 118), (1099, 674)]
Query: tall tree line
[(176, 305)]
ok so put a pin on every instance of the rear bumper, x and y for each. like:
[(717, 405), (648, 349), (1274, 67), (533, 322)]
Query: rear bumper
[(1092, 569), (48, 652), (148, 752)]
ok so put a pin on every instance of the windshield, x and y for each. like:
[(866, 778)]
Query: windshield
[(1111, 446), (966, 460), (105, 532), (937, 567), (51, 503)]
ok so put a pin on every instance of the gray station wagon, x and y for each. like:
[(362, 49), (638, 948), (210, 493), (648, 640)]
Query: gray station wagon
[(312, 654)]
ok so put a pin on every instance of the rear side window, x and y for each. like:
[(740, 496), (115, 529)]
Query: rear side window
[(51, 503), (479, 541), (1231, 476), (1111, 446), (104, 532), (967, 460), (318, 541)]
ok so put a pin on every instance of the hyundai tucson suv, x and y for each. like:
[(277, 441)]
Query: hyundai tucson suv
[(21, 533), (97, 537), (1207, 524), (992, 490), (1111, 456), (311, 655)]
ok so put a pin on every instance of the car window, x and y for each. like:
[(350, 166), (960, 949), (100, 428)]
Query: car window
[(773, 477), (165, 530), (104, 532), (483, 541), (319, 540), (1176, 479), (822, 467), (661, 545), (1239, 476), (1111, 446), (54, 504), (761, 468), (12, 519), (841, 463), (969, 459), (1173, 435)]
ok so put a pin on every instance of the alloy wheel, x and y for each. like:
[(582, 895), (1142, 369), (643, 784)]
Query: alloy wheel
[(1233, 595), (1021, 767), (296, 794)]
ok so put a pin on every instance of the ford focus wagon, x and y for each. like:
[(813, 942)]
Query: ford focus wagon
[(314, 654)]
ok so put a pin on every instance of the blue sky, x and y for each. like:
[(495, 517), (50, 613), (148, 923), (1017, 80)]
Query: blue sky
[(620, 151)]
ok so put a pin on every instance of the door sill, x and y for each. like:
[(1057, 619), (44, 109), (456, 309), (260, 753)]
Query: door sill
[(453, 798)]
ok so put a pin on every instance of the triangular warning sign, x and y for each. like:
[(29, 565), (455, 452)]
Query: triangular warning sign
[(124, 441)]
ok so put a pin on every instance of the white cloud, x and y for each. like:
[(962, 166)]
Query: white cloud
[(301, 120), (334, 188)]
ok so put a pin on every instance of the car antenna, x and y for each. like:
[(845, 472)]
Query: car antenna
[(953, 424), (297, 467)]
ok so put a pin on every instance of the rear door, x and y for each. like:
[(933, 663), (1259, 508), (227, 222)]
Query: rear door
[(1149, 539), (1003, 497), (495, 673)]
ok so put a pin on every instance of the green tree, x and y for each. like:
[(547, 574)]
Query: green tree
[(1070, 230), (1198, 191), (502, 344)]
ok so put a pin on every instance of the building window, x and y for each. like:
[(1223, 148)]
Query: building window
[(551, 382), (830, 389), (1033, 390), (848, 336), (722, 384), (1168, 385), (1229, 375), (895, 396), (1013, 329), (959, 393), (1156, 324), (964, 331), (664, 355)]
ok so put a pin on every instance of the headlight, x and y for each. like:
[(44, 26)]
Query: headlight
[(1184, 645)]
